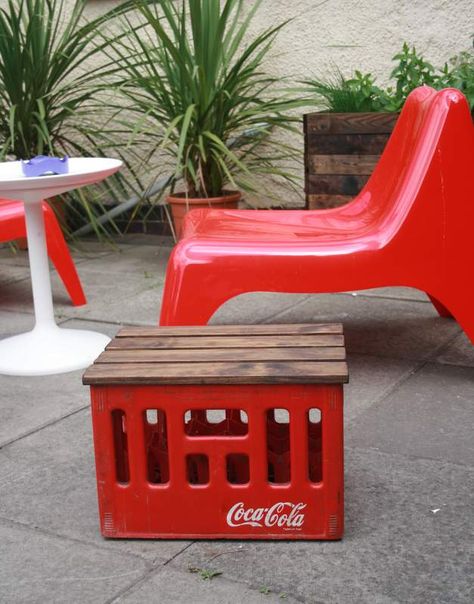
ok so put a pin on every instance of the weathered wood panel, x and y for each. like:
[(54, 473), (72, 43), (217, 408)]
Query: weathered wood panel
[(341, 152), (223, 355)]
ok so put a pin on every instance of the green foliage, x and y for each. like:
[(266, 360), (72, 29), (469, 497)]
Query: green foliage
[(47, 97), (206, 574), (341, 95), (197, 91), (360, 93), (52, 71), (459, 73), (411, 71)]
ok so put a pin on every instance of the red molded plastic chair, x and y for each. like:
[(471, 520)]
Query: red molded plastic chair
[(411, 226), (12, 226)]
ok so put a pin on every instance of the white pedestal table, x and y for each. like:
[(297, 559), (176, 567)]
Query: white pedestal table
[(48, 348)]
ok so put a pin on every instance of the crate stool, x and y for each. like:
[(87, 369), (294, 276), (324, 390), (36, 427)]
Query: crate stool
[(220, 432)]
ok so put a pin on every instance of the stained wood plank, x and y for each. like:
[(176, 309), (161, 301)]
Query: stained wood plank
[(342, 164), (323, 202), (229, 330), (350, 123), (346, 144), (217, 373), (257, 341), (236, 355), (335, 184)]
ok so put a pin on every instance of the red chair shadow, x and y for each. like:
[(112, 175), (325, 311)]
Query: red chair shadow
[(411, 226), (12, 226)]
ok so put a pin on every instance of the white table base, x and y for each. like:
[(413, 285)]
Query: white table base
[(47, 349), (50, 349)]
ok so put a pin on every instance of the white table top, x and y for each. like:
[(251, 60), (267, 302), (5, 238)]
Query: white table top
[(82, 171)]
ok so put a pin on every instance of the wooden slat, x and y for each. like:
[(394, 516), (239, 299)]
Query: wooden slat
[(229, 330), (238, 355), (257, 341), (217, 373), (335, 184), (350, 123), (346, 144), (342, 164), (322, 202)]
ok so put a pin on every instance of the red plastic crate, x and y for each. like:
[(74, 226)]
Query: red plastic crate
[(240, 460)]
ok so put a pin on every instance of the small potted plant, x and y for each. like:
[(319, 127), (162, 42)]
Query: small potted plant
[(343, 142), (200, 100)]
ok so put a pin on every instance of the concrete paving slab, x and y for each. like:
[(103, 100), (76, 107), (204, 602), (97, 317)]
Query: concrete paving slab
[(395, 548), (12, 273), (47, 480), (146, 260), (182, 587), (12, 323), (256, 307), (102, 289), (370, 379), (430, 415), (38, 568), (10, 256), (378, 326), (28, 403), (459, 352)]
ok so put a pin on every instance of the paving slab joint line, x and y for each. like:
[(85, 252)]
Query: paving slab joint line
[(153, 571), (47, 533), (42, 427), (283, 311), (431, 358)]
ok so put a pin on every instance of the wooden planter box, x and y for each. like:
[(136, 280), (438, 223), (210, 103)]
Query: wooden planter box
[(341, 151)]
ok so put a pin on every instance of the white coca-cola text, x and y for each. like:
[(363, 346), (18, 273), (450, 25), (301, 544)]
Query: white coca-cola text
[(283, 514)]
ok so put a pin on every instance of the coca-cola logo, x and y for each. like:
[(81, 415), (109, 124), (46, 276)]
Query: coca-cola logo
[(283, 514)]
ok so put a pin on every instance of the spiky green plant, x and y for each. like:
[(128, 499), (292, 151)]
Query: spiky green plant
[(197, 91), (52, 71)]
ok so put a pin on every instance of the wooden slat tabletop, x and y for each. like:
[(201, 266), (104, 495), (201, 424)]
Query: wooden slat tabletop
[(236, 354)]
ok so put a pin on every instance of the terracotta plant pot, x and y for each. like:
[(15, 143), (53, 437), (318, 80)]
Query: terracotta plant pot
[(180, 205)]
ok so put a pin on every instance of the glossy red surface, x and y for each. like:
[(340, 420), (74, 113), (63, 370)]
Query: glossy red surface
[(411, 226), (12, 226), (147, 489)]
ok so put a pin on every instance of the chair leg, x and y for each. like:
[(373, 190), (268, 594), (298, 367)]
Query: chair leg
[(440, 308), (59, 253), (188, 307), (191, 297)]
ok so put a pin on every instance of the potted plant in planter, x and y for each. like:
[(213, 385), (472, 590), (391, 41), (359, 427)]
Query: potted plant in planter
[(344, 142), (198, 96)]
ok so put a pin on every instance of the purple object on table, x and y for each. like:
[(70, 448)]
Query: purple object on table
[(43, 165)]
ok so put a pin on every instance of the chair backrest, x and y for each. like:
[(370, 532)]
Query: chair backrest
[(430, 121)]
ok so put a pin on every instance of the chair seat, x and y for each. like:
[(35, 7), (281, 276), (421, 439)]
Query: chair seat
[(325, 228)]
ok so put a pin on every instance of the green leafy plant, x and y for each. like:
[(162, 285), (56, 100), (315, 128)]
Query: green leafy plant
[(198, 94), (341, 95), (52, 70), (411, 71), (459, 73), (361, 93)]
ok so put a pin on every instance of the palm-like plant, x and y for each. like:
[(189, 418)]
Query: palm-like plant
[(52, 70), (197, 90)]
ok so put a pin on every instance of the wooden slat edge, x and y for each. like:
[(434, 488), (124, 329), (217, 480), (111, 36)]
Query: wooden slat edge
[(221, 373), (237, 355), (239, 330), (263, 341)]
